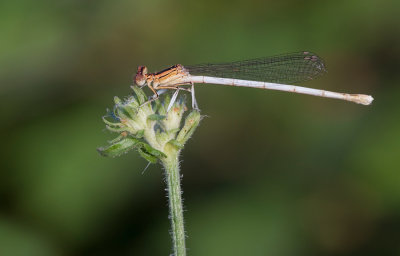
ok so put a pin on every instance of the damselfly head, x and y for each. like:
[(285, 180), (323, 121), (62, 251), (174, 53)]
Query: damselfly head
[(140, 78)]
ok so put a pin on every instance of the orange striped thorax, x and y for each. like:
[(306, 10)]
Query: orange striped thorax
[(172, 76)]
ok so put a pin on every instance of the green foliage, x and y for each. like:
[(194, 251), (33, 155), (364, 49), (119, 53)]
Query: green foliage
[(146, 127)]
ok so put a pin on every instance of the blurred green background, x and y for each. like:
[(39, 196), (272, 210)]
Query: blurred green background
[(266, 173)]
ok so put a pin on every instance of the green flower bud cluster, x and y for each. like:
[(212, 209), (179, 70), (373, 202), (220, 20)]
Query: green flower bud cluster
[(148, 128)]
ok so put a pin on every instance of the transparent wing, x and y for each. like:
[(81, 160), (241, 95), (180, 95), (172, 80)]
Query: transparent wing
[(285, 68)]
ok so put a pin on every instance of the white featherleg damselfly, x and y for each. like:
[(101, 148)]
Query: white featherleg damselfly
[(274, 73)]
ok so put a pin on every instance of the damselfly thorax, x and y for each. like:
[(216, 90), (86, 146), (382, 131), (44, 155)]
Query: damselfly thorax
[(173, 76)]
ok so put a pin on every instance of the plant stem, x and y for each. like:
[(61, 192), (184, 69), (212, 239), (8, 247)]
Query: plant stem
[(157, 135), (171, 165)]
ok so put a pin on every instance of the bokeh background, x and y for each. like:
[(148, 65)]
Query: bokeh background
[(266, 173)]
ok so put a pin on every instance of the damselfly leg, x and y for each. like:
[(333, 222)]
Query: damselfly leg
[(194, 102), (173, 99), (175, 95)]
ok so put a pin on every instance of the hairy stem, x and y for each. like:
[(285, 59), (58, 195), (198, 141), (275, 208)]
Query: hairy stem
[(158, 136), (171, 165)]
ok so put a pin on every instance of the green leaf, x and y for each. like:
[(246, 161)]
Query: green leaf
[(116, 129), (156, 117), (148, 157), (159, 107), (163, 109), (141, 96), (124, 113), (191, 123), (120, 137), (176, 144), (111, 123), (172, 131), (117, 100), (131, 108), (132, 102), (139, 134), (152, 151), (118, 148), (149, 153), (122, 146)]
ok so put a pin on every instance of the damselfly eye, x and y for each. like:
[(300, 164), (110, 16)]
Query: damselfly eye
[(142, 70), (140, 78)]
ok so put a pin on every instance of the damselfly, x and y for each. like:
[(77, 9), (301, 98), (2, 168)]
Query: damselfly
[(275, 73)]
